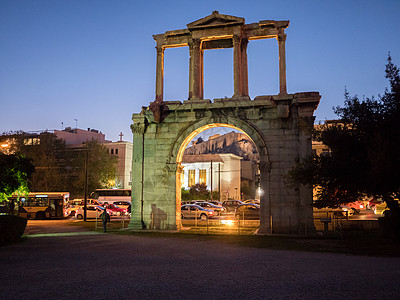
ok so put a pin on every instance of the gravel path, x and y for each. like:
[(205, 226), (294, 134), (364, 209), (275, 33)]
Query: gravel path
[(109, 266)]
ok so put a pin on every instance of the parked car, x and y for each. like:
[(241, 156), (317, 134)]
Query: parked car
[(254, 201), (122, 204), (193, 211), (345, 211), (247, 211), (215, 202), (74, 205), (116, 210), (327, 212), (231, 205), (189, 202), (92, 211), (380, 208), (355, 206), (208, 205)]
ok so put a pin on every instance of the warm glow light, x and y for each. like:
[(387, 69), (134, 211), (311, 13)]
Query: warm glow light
[(227, 222), (4, 145)]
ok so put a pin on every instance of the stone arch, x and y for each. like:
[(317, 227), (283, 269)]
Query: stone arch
[(187, 134)]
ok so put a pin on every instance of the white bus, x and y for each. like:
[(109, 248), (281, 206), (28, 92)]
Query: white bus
[(41, 205), (109, 196)]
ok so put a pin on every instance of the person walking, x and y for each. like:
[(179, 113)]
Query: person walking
[(105, 217)]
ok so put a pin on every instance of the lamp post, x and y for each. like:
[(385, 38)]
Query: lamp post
[(86, 185), (86, 163)]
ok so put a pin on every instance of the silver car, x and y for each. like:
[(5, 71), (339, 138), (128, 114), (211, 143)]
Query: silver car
[(92, 211), (193, 211), (207, 205)]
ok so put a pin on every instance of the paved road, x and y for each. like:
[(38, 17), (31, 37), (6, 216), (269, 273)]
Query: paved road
[(110, 266)]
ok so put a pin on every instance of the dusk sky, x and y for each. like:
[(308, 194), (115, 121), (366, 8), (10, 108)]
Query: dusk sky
[(94, 61)]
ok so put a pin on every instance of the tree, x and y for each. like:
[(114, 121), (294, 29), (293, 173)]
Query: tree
[(365, 151), (15, 171), (101, 168), (60, 168), (198, 191), (49, 156)]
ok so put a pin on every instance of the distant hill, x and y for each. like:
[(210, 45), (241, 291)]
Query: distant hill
[(234, 142)]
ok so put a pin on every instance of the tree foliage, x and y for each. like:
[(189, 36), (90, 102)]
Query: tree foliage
[(197, 192), (365, 150), (101, 168), (60, 168), (15, 171)]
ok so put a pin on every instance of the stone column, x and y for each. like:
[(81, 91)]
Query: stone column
[(266, 220), (236, 67), (138, 129), (201, 77), (179, 172), (160, 74), (190, 70), (306, 221), (196, 67), (282, 63), (245, 79)]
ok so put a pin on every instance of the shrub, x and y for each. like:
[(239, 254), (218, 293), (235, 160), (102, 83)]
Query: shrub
[(390, 225), (11, 228)]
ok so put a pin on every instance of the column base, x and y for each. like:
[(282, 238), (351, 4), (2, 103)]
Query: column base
[(241, 97), (194, 101), (136, 223)]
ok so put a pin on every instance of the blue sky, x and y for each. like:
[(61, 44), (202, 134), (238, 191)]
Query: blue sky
[(94, 60)]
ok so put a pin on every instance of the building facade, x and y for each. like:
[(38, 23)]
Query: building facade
[(219, 172), (123, 150)]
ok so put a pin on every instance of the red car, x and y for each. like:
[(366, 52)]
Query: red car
[(115, 210), (355, 206)]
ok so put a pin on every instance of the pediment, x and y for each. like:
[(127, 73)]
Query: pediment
[(216, 19)]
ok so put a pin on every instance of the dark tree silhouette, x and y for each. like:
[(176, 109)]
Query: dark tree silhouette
[(365, 152)]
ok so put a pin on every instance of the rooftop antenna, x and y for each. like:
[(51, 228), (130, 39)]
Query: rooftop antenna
[(76, 123)]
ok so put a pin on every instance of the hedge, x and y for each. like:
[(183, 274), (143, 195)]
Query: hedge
[(11, 228)]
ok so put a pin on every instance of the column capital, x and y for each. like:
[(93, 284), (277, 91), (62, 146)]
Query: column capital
[(236, 39), (281, 37), (159, 49), (138, 128), (196, 42)]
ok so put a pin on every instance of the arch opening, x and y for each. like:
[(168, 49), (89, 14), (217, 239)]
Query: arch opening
[(221, 176)]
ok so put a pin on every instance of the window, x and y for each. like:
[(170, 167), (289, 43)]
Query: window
[(116, 151), (192, 177), (203, 176), (112, 151), (32, 141)]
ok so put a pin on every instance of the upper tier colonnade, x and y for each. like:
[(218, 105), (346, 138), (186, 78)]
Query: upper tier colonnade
[(218, 31)]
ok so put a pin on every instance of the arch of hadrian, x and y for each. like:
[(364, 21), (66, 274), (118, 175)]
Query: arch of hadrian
[(279, 125)]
